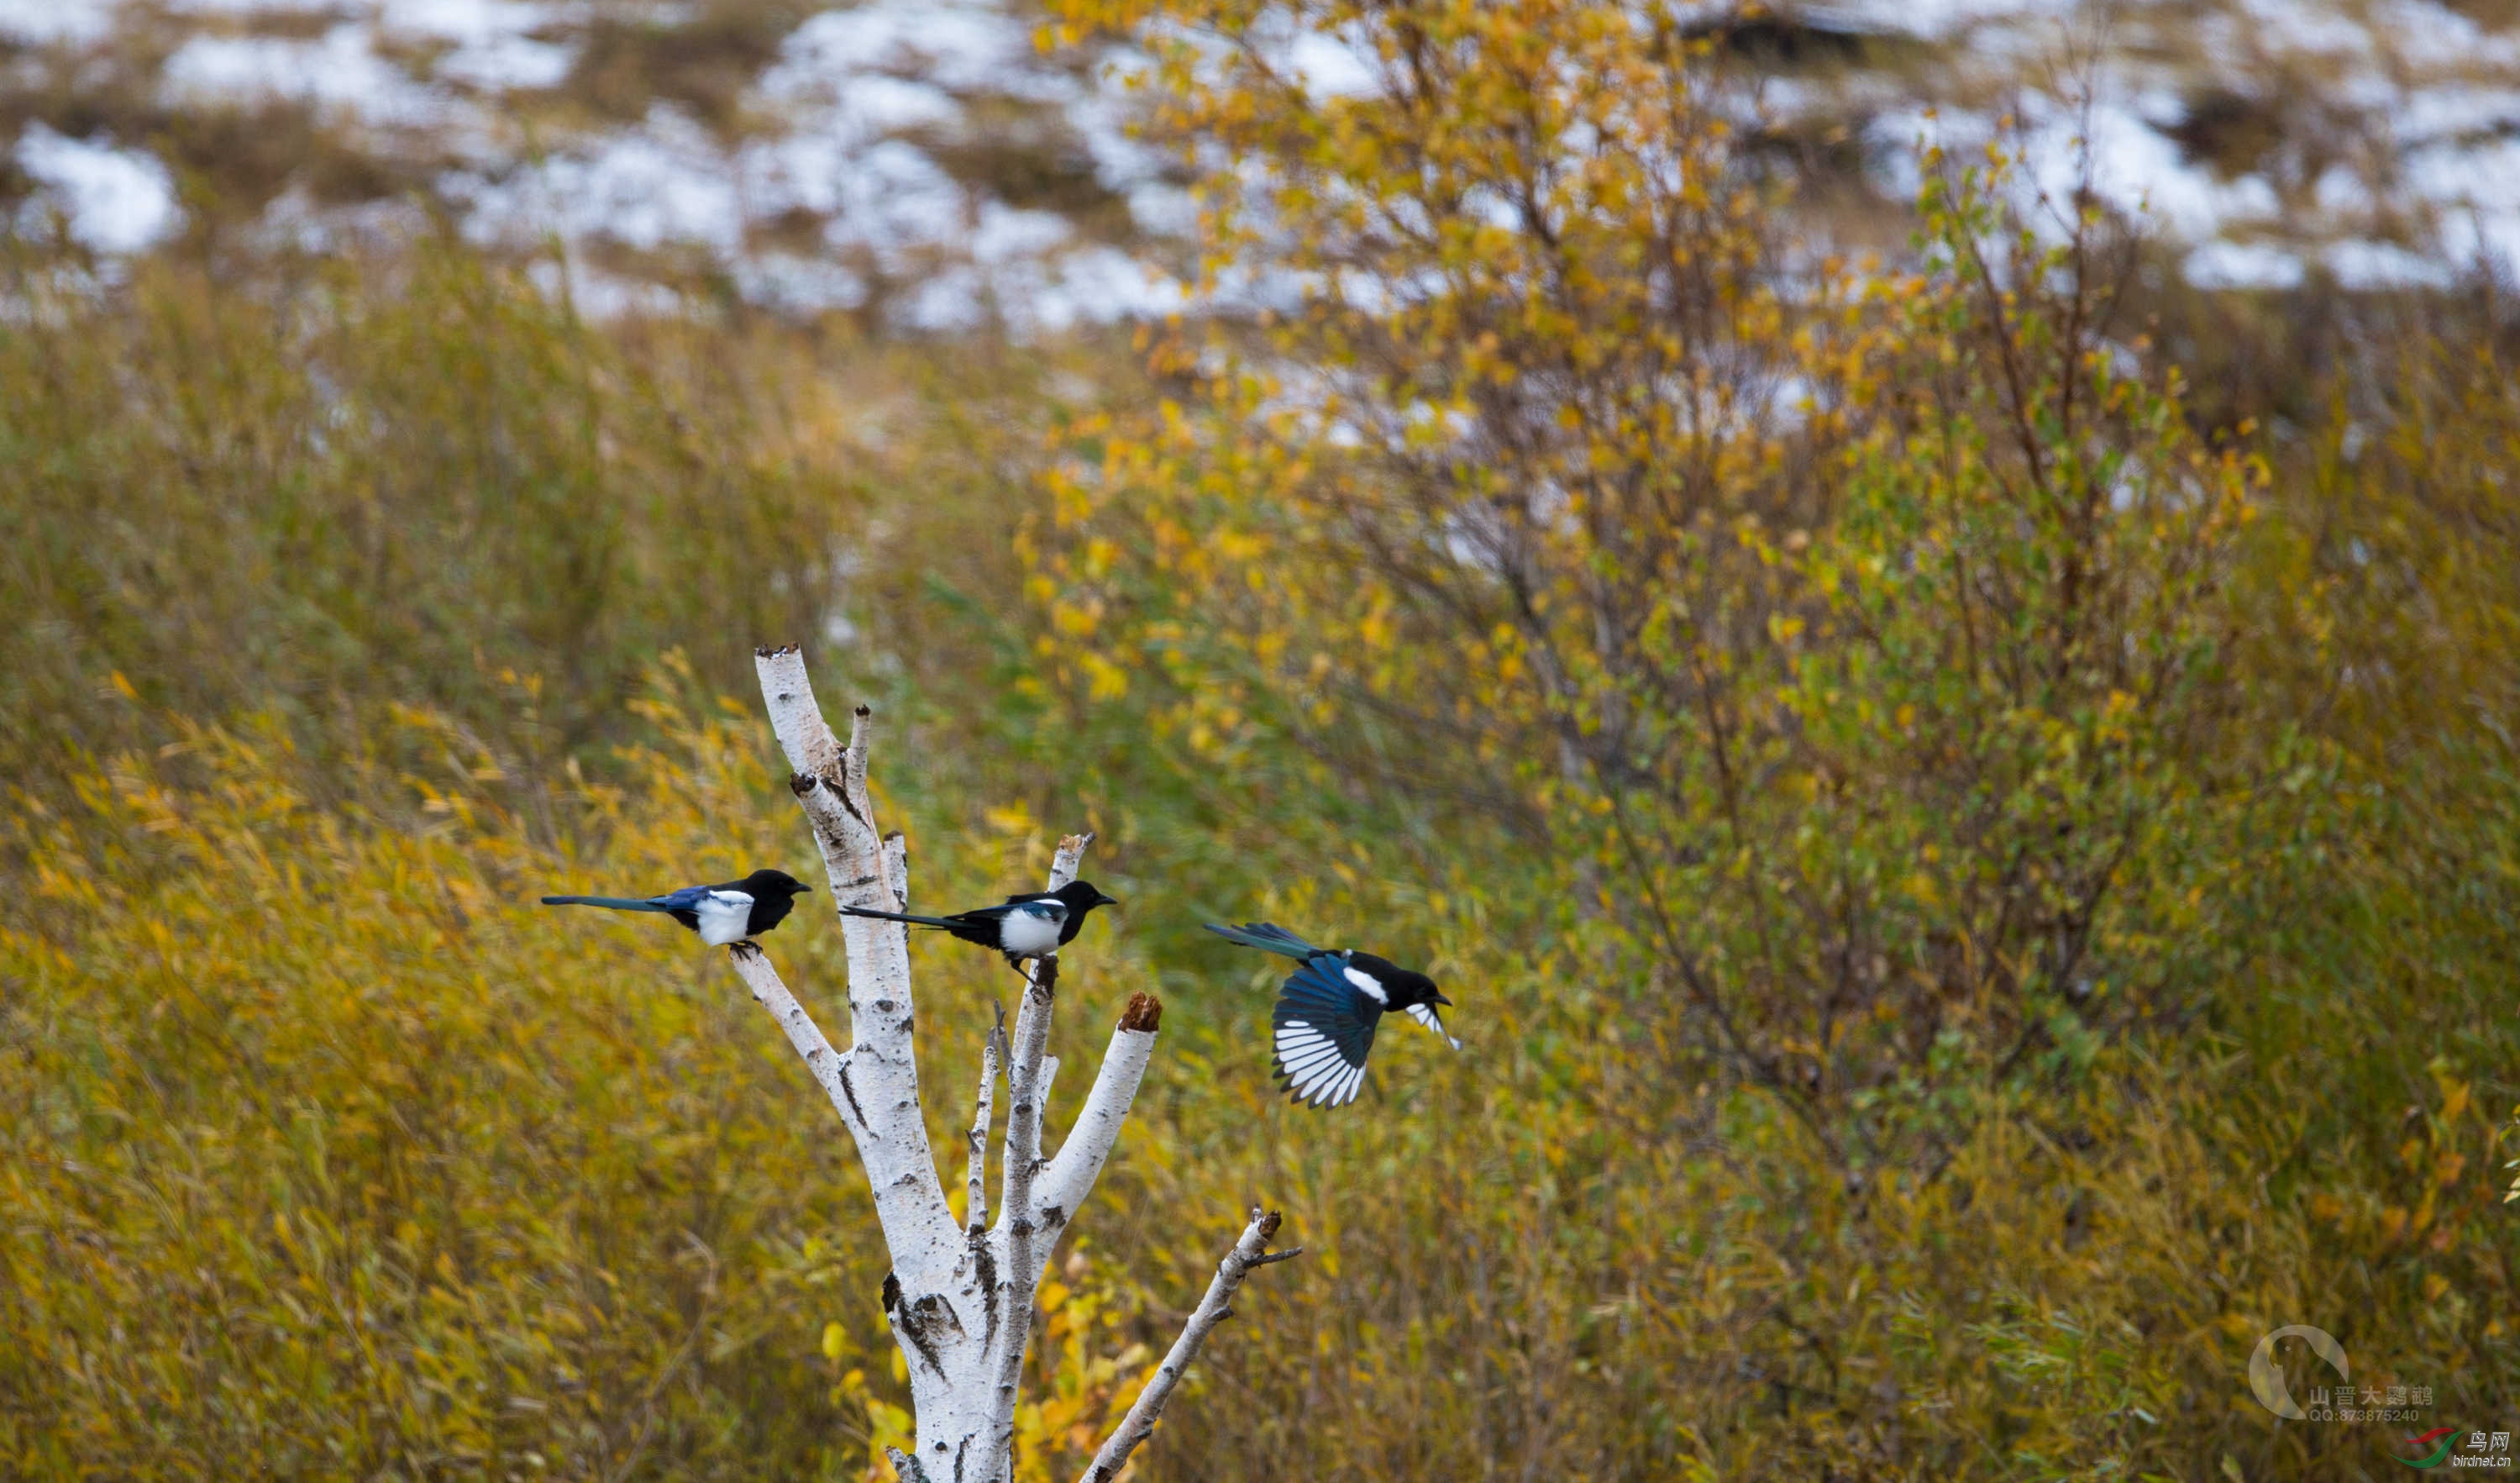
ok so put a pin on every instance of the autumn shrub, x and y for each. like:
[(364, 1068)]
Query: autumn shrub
[(330, 1153), (1925, 736), (1861, 640)]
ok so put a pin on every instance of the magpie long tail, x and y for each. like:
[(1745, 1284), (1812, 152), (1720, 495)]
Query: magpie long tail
[(934, 922), (616, 903), (1267, 936)]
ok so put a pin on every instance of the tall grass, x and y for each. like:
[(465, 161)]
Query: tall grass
[(401, 481)]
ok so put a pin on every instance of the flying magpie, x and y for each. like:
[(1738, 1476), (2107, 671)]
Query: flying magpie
[(1326, 1012), (1032, 925), (720, 914)]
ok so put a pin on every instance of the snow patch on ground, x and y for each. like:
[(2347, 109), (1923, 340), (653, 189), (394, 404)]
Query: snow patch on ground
[(2243, 265), (2477, 193), (2134, 167), (960, 45), (848, 86), (55, 22), (1941, 20), (250, 7), (661, 181), (857, 113), (340, 72), (111, 199), (495, 44), (2384, 265)]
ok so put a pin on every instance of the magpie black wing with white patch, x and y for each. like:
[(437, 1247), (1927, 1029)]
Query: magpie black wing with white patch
[(683, 905), (1324, 1026)]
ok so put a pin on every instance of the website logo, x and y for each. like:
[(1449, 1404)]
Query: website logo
[(2266, 1380), (2442, 1447)]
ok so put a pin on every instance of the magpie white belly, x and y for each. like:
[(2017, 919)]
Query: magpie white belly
[(724, 916), (1026, 935)]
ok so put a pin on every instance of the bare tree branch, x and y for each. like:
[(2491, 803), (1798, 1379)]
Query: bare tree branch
[(1031, 1042), (1028, 1076), (1070, 1176), (1252, 1251), (976, 1190), (829, 1068)]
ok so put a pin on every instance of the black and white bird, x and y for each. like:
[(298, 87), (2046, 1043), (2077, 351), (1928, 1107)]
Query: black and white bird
[(1327, 1013), (720, 914), (1036, 924)]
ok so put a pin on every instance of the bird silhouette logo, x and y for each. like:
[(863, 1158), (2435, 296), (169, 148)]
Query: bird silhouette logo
[(2266, 1378)]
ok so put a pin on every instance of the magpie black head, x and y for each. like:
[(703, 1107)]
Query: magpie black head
[(1406, 988), (1081, 897), (1401, 987), (763, 885)]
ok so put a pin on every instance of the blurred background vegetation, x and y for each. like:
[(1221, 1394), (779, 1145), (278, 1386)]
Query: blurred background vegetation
[(1961, 775)]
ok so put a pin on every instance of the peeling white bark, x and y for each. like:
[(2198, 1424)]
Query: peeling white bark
[(1070, 1176), (880, 1075), (1021, 1236), (976, 1178), (829, 1067), (960, 1297)]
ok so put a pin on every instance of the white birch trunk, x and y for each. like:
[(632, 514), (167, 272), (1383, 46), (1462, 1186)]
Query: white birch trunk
[(959, 1296)]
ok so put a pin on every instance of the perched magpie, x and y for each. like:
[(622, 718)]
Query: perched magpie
[(1326, 1012), (1033, 925), (720, 914)]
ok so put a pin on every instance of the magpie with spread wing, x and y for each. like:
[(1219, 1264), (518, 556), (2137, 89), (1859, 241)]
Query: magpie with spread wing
[(1035, 925), (1327, 1013), (720, 914)]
